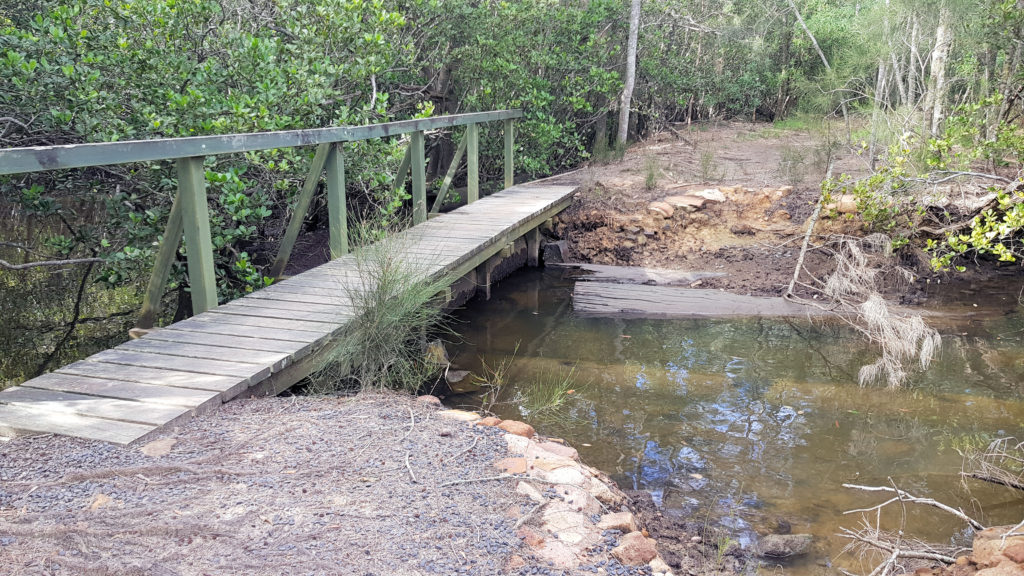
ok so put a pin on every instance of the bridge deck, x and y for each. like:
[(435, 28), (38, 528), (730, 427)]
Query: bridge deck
[(128, 392)]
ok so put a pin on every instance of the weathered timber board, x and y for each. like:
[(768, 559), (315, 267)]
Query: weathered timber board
[(121, 390), (260, 339), (66, 402), (609, 299)]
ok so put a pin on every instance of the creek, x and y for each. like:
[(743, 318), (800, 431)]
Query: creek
[(748, 423)]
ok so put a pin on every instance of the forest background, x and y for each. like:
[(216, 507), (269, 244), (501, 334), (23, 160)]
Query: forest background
[(924, 88)]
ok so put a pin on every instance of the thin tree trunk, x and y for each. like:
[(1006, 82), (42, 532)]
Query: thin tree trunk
[(880, 90), (943, 40), (627, 90), (912, 68), (897, 75), (824, 60)]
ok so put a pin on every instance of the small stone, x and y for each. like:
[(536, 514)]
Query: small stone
[(711, 195), (621, 521), (158, 448), (662, 209), (695, 539), (429, 400), (560, 450), (659, 565), (741, 229), (528, 535), (785, 190), (784, 545), (460, 415), (530, 492), (635, 549), (962, 561), (489, 421), (782, 215), (518, 428), (689, 202), (514, 563), (511, 465)]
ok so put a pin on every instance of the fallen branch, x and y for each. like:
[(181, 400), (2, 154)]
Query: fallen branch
[(904, 496), (484, 479), (8, 266), (993, 479), (850, 534)]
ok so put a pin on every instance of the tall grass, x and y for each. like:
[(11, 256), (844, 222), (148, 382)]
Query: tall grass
[(395, 305)]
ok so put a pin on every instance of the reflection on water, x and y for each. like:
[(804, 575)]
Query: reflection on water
[(749, 422)]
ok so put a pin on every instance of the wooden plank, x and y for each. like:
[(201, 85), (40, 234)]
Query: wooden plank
[(196, 218), (229, 386), (290, 305), (276, 360), (101, 387), (473, 163), (337, 211), (162, 266), (260, 317), (509, 164), (38, 158), (304, 336), (18, 420), (419, 177), (609, 299), (249, 372), (326, 321), (110, 409), (296, 349), (291, 233), (331, 299)]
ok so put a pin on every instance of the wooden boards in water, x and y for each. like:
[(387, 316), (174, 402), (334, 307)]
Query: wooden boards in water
[(639, 300)]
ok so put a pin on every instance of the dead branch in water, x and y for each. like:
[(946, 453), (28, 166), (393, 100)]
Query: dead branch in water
[(903, 496), (1001, 462)]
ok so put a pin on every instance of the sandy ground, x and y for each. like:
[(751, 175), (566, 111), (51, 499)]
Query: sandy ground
[(754, 236)]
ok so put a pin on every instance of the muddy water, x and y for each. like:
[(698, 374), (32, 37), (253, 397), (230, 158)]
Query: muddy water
[(746, 423)]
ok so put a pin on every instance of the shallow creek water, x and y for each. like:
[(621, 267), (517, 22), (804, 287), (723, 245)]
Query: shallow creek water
[(741, 423)]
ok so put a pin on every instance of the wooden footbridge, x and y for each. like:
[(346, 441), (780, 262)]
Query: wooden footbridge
[(266, 341)]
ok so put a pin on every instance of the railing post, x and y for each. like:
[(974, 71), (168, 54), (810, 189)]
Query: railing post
[(162, 266), (509, 167), (419, 178), (336, 210), (198, 245), (473, 163)]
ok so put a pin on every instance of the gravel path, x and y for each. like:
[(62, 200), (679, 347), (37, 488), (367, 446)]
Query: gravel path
[(375, 484), (270, 486)]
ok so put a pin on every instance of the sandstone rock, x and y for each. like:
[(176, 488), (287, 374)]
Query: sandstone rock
[(518, 428), (621, 521), (436, 353), (688, 202), (555, 252), (489, 421), (429, 400), (1015, 553), (530, 492), (569, 526), (459, 382), (1005, 568), (844, 204), (659, 565), (604, 493), (662, 209), (634, 549), (511, 465), (158, 448), (518, 444), (989, 548), (560, 554), (785, 190), (741, 229), (566, 475), (782, 215), (784, 545), (514, 563), (530, 537), (711, 194), (460, 415), (560, 450)]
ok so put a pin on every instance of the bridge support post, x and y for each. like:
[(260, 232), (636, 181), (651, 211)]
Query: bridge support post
[(162, 266), (337, 213), (291, 233), (533, 247), (509, 166), (192, 195), (472, 163), (419, 178)]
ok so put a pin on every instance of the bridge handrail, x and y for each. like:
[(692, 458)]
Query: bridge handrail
[(41, 158), (189, 216)]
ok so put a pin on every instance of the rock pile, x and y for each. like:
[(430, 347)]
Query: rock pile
[(993, 553), (574, 516)]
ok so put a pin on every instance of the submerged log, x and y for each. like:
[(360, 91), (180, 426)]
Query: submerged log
[(609, 299)]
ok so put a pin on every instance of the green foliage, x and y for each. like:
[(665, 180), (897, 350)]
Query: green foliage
[(652, 172)]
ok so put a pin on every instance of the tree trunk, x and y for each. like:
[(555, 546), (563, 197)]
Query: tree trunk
[(627, 90), (880, 91), (943, 40), (824, 60), (912, 67)]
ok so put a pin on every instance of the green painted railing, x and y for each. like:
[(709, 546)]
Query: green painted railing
[(189, 217)]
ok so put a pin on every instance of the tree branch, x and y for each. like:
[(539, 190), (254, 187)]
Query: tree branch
[(8, 266)]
